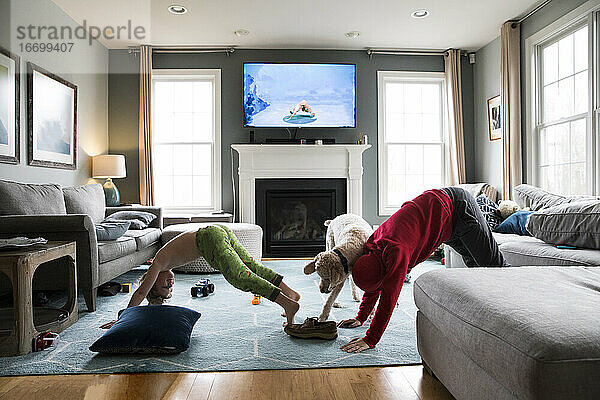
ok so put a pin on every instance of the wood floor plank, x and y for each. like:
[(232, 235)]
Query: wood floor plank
[(230, 385), (202, 386), (426, 386), (180, 388), (370, 383), (399, 383)]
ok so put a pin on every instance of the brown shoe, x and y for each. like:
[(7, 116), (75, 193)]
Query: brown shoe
[(312, 328)]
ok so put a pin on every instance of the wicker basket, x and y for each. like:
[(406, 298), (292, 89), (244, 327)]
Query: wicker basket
[(249, 235)]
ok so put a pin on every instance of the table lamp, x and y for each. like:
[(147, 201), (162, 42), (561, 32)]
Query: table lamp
[(109, 166)]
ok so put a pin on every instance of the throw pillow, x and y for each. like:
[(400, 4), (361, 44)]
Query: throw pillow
[(489, 209), (516, 224), (111, 230), (30, 199), (572, 224), (138, 219), (87, 199), (149, 330), (537, 199)]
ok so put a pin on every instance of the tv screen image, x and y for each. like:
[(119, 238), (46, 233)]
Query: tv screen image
[(299, 95)]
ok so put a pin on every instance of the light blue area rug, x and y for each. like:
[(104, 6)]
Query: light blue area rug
[(232, 334)]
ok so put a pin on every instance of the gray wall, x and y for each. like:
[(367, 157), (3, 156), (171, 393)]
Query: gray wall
[(124, 113), (86, 66), (486, 78)]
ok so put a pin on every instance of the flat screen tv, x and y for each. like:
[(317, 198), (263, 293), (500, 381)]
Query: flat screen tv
[(299, 95)]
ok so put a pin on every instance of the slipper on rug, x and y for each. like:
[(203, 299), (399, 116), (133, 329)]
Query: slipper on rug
[(313, 329)]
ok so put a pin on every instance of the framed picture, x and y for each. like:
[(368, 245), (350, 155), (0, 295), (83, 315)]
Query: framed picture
[(10, 107), (51, 119), (494, 118)]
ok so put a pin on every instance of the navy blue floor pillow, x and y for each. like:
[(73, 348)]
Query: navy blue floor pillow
[(149, 330)]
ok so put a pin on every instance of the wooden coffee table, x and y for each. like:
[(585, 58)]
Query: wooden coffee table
[(27, 322)]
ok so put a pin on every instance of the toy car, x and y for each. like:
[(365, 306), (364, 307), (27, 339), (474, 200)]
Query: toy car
[(202, 288)]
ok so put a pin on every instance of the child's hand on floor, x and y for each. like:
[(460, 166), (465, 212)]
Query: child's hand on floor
[(108, 325), (349, 323), (356, 345)]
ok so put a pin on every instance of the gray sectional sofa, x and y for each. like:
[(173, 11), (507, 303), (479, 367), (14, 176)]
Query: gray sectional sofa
[(70, 214), (531, 332)]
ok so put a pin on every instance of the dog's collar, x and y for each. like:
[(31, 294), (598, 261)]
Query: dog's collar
[(343, 259)]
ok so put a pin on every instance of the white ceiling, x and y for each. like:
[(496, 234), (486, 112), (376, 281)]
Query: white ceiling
[(464, 24)]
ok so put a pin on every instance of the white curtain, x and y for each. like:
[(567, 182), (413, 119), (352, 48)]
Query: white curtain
[(457, 170), (145, 129), (510, 94)]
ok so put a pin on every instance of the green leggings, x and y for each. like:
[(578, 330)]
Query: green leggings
[(221, 249)]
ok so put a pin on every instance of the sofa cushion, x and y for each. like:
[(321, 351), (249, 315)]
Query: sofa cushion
[(88, 199), (111, 230), (30, 199), (536, 198), (144, 237), (532, 253), (535, 330), (571, 224), (149, 330), (111, 250), (502, 238)]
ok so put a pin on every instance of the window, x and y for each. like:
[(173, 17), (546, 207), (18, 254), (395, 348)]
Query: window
[(561, 132), (186, 131), (410, 135)]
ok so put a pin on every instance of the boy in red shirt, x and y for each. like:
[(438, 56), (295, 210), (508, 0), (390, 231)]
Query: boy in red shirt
[(449, 215)]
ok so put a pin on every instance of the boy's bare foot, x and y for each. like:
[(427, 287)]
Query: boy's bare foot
[(289, 292), (291, 311), (290, 307)]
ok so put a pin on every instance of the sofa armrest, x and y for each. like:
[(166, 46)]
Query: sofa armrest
[(46, 223), (72, 227), (157, 223)]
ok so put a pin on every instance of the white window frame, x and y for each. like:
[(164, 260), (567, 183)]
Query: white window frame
[(213, 75), (404, 76), (582, 15)]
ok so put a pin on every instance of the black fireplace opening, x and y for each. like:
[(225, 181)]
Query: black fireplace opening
[(292, 213)]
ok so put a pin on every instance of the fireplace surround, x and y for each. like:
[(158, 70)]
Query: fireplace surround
[(310, 162)]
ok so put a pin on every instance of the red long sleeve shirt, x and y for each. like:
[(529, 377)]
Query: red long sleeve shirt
[(405, 239)]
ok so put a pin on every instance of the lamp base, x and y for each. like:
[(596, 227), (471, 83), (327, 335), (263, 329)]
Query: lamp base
[(111, 193)]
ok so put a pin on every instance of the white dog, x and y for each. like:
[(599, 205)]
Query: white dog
[(345, 240)]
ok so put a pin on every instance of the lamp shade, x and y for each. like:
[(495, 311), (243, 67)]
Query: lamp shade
[(109, 166)]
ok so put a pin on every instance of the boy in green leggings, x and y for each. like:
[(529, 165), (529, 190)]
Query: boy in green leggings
[(221, 249)]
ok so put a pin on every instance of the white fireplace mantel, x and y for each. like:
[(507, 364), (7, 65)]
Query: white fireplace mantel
[(279, 161)]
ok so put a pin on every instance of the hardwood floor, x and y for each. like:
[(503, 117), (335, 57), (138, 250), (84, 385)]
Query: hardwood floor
[(406, 383)]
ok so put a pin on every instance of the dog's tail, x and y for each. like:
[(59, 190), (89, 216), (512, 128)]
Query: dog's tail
[(326, 223)]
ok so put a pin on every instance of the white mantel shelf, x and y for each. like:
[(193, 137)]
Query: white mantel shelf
[(280, 161)]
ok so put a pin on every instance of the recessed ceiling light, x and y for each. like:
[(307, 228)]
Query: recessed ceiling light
[(241, 32), (177, 9), (352, 34), (420, 13)]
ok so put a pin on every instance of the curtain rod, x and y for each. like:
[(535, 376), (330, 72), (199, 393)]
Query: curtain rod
[(184, 50), (530, 13), (371, 52)]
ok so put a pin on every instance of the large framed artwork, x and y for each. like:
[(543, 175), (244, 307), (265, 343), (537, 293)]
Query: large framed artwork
[(52, 119), (10, 106), (494, 118)]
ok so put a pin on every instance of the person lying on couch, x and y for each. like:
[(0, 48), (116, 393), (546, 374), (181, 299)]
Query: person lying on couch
[(448, 215), (221, 249)]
